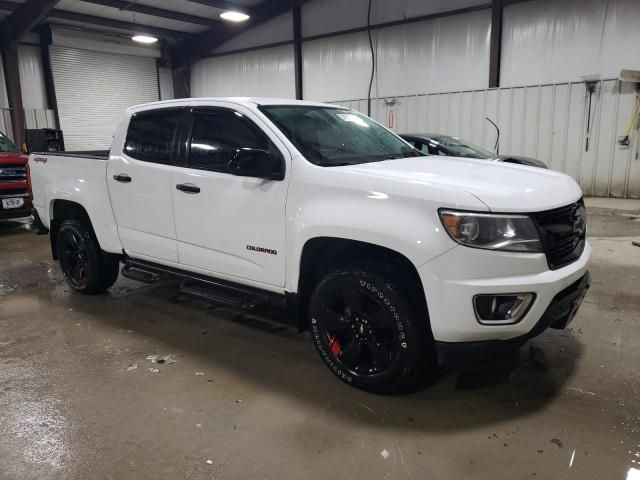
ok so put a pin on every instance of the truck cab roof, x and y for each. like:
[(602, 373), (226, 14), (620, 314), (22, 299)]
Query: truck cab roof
[(244, 101)]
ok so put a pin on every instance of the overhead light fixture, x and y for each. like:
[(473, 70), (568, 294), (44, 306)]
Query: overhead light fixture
[(148, 39), (234, 16)]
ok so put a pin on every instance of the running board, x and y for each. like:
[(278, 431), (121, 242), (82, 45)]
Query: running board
[(220, 295), (138, 274), (213, 290)]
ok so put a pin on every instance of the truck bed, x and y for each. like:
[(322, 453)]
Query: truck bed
[(87, 154), (73, 177)]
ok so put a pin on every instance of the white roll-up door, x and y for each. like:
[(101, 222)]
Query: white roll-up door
[(93, 89)]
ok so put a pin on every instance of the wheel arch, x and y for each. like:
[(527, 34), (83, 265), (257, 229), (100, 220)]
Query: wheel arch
[(61, 210), (319, 255)]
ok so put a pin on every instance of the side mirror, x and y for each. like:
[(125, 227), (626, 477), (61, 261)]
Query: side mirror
[(250, 162)]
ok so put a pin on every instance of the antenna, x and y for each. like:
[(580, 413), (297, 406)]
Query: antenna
[(497, 146)]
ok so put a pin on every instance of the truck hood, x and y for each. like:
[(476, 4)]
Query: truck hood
[(501, 187)]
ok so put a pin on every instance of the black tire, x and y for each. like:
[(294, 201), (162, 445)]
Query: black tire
[(86, 268), (367, 331)]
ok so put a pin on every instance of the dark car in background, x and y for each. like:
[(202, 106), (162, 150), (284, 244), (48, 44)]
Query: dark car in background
[(436, 144), (15, 192)]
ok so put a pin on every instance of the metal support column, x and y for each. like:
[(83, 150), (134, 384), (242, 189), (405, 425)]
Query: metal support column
[(297, 51), (14, 93), (497, 8)]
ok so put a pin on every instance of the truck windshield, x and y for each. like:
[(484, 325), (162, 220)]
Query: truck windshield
[(332, 137), (6, 145)]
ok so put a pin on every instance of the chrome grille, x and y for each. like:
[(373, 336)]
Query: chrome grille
[(8, 172)]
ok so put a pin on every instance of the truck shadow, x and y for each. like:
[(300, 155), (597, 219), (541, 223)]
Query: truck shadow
[(263, 352)]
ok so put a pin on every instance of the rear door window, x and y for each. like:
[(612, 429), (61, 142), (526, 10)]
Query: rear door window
[(151, 135)]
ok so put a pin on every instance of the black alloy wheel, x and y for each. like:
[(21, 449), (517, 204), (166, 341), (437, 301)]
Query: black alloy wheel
[(366, 331), (74, 259), (86, 268), (359, 331)]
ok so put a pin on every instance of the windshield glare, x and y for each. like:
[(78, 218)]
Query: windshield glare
[(464, 149), (7, 145), (329, 136)]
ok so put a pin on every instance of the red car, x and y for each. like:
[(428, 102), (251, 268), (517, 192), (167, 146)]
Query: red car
[(15, 191)]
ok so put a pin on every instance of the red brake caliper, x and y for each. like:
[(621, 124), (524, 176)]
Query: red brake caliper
[(335, 346)]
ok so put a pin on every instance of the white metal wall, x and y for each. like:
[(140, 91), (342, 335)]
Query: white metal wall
[(39, 118), (34, 94), (265, 73), (165, 80), (544, 121), (94, 88), (4, 99), (433, 56), (551, 41), (5, 113)]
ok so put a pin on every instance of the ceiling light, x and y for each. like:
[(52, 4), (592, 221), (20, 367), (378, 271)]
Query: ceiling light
[(233, 16), (144, 39)]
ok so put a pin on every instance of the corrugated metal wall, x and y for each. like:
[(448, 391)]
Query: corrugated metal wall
[(432, 56), (543, 121), (5, 113), (553, 41), (262, 73), (34, 93)]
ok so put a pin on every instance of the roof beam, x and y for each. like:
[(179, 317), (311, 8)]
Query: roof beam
[(104, 22), (25, 16), (127, 5), (224, 5), (111, 23), (191, 50)]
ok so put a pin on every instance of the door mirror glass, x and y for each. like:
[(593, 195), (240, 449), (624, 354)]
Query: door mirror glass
[(251, 162)]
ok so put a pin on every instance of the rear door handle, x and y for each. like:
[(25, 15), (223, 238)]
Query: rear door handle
[(122, 178), (188, 188)]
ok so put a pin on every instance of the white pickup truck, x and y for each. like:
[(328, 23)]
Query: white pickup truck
[(397, 263)]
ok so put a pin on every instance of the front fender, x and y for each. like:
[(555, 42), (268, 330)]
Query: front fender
[(408, 226)]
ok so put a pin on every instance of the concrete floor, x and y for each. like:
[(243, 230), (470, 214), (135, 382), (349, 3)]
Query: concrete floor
[(255, 400)]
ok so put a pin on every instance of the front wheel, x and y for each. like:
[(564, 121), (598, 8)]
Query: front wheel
[(86, 268), (367, 333)]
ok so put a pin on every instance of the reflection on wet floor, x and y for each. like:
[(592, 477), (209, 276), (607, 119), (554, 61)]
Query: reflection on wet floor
[(237, 396)]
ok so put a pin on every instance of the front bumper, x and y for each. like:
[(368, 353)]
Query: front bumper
[(561, 310), (451, 281)]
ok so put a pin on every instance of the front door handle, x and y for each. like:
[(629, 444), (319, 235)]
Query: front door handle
[(188, 188), (122, 178)]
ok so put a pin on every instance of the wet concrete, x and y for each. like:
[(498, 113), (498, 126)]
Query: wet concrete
[(77, 400)]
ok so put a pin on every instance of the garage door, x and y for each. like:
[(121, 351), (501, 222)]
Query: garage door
[(94, 88)]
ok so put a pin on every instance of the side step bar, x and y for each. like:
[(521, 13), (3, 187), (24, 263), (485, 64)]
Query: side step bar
[(138, 274), (219, 295), (205, 288)]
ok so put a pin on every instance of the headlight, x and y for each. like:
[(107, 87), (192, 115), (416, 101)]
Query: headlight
[(511, 233)]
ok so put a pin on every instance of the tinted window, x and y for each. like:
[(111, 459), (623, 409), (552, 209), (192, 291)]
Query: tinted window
[(332, 137), (460, 148), (150, 135), (218, 134), (6, 145)]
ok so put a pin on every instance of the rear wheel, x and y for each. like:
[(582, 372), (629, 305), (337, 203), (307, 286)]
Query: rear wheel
[(367, 332), (86, 268)]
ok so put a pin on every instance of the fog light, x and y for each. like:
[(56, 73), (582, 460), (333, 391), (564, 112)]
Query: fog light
[(502, 309)]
